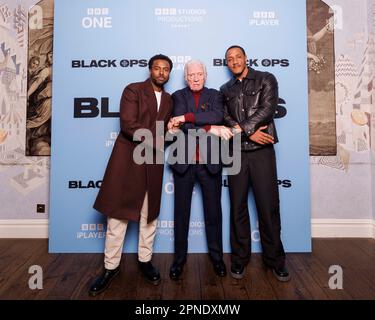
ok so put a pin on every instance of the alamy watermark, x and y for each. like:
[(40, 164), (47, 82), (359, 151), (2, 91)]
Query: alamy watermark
[(336, 280), (183, 148), (36, 280)]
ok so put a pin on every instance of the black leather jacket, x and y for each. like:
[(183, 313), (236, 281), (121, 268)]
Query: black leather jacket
[(251, 103)]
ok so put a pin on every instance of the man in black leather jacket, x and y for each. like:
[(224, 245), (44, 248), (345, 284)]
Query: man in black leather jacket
[(250, 103)]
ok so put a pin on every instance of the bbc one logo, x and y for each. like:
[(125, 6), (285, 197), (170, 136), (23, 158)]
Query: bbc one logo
[(263, 19), (97, 18)]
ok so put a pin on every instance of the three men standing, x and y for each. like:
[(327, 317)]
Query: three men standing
[(247, 105)]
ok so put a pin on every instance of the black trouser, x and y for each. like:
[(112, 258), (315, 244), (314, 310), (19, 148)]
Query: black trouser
[(211, 192), (258, 171)]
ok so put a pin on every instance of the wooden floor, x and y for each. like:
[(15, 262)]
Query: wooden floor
[(68, 276)]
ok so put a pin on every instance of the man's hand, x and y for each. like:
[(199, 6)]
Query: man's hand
[(173, 127), (173, 130), (221, 131), (170, 125), (174, 123), (177, 121), (237, 129), (262, 137)]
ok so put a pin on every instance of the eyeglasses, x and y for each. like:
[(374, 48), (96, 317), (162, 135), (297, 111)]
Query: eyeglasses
[(192, 76)]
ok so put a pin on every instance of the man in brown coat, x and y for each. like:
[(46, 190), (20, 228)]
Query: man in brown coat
[(132, 191)]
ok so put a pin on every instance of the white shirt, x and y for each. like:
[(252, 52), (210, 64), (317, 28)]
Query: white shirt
[(158, 98)]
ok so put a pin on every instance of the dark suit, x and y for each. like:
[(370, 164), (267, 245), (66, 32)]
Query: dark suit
[(209, 112)]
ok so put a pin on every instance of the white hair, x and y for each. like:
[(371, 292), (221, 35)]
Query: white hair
[(194, 62)]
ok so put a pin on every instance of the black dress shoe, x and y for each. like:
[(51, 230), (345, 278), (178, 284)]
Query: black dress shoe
[(220, 268), (103, 281), (281, 274), (150, 273), (176, 270), (237, 271)]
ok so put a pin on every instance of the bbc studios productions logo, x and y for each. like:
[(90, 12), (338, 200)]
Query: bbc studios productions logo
[(180, 18), (166, 228)]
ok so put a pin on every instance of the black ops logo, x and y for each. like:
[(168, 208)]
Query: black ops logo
[(90, 107), (268, 63), (280, 109)]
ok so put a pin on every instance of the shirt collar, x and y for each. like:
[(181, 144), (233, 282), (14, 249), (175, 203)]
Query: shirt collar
[(250, 76)]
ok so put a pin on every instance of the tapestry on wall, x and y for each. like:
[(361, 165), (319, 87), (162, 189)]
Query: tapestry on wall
[(321, 73), (39, 79)]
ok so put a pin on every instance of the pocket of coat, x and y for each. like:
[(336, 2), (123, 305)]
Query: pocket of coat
[(253, 92), (228, 99)]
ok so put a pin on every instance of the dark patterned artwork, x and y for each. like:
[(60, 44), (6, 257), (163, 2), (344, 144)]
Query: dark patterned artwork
[(39, 80), (321, 64)]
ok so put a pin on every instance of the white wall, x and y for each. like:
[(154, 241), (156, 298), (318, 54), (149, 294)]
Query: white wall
[(342, 186), (371, 23)]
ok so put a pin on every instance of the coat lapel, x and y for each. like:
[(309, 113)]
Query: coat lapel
[(150, 99), (190, 100), (203, 98), (153, 105), (164, 107)]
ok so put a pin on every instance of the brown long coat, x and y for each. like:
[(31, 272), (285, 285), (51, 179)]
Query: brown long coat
[(125, 182)]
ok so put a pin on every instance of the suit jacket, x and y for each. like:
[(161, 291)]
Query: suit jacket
[(125, 182), (209, 112)]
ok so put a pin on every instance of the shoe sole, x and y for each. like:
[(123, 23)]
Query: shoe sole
[(155, 282), (281, 279), (175, 278), (95, 293), (237, 276)]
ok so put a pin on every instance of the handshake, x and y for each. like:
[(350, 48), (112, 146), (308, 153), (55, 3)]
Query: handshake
[(175, 123), (223, 132)]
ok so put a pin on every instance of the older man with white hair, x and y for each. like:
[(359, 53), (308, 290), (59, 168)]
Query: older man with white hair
[(197, 107)]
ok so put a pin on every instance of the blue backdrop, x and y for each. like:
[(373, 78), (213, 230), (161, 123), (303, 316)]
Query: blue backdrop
[(101, 46)]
